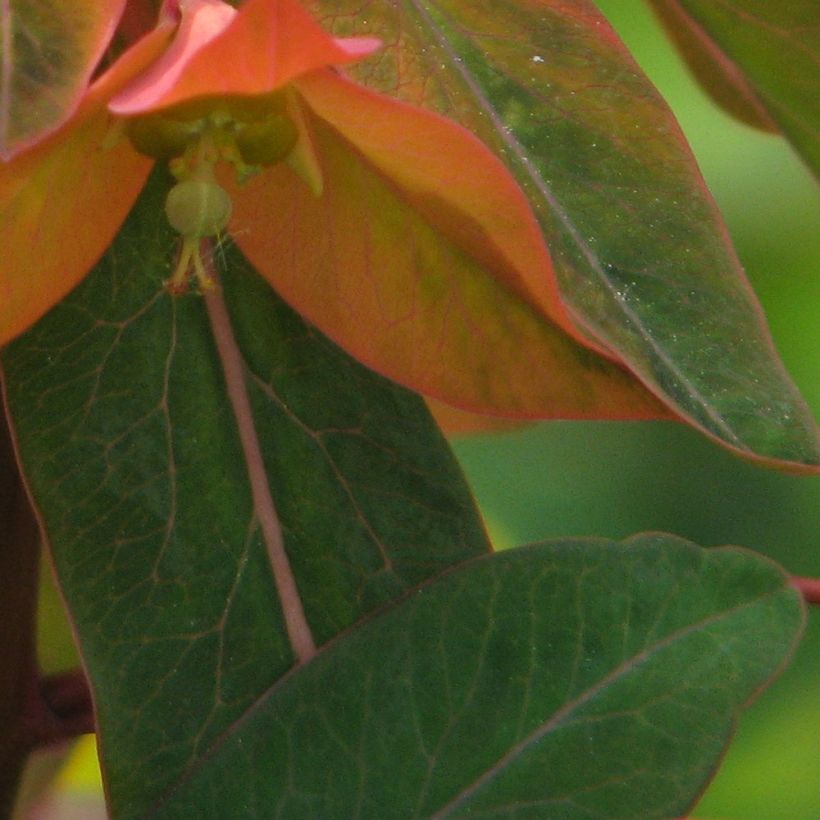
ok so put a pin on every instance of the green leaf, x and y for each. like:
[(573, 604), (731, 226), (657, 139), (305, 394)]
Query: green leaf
[(642, 255), (131, 452), (48, 51), (758, 60), (569, 679)]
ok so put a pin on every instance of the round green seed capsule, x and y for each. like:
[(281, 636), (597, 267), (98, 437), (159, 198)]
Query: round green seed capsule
[(198, 208)]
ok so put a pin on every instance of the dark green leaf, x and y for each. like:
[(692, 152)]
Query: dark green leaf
[(640, 249), (575, 679), (131, 452)]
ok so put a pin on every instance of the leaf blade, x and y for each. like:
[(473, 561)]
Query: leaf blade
[(129, 448), (642, 256), (48, 52), (579, 679), (769, 54), (49, 246), (441, 311)]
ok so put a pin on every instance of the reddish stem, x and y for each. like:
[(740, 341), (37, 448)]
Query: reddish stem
[(59, 708), (69, 699), (809, 588), (296, 624)]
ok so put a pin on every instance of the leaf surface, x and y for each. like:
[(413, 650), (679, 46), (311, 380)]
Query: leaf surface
[(131, 452), (48, 50), (454, 300), (640, 251), (64, 200), (574, 679), (760, 61)]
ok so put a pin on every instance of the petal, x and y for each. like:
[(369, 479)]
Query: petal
[(221, 52), (200, 23), (421, 291), (65, 199)]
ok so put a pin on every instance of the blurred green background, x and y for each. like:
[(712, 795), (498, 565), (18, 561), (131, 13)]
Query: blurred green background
[(606, 479), (613, 480)]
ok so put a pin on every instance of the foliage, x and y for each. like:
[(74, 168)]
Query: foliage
[(282, 592)]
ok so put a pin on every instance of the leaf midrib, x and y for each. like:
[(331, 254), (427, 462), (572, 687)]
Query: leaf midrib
[(589, 255), (563, 714)]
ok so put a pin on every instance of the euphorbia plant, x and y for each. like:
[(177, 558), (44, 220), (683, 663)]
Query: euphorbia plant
[(283, 598)]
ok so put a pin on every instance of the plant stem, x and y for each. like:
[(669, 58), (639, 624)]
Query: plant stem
[(19, 552), (61, 709), (809, 588), (68, 696), (298, 629)]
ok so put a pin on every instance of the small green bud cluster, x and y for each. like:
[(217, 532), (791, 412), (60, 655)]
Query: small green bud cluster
[(249, 132), (246, 132)]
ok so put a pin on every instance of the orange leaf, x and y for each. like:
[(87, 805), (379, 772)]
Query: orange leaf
[(47, 55), (416, 287), (456, 423), (221, 52), (65, 199), (450, 178)]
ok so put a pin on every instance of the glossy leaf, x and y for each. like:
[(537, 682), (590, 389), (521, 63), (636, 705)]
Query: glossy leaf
[(640, 251), (574, 679), (760, 61), (48, 50), (131, 453)]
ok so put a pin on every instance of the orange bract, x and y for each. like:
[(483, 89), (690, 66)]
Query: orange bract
[(221, 53), (411, 245), (65, 199)]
